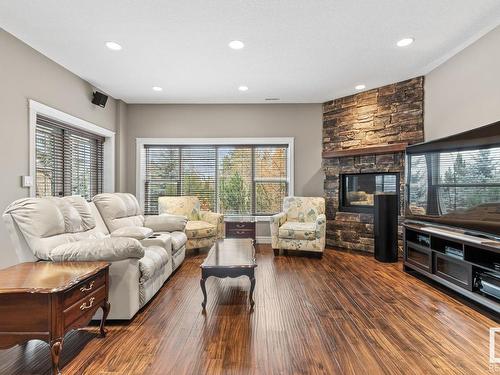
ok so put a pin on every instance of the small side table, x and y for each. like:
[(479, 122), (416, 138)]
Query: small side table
[(240, 227), (45, 300)]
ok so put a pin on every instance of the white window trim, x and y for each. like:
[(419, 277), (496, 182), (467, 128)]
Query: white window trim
[(108, 146), (140, 176)]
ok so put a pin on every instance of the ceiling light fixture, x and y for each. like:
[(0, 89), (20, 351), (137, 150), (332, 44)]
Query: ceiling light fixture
[(113, 46), (157, 88), (360, 87), (405, 42), (236, 44), (243, 88)]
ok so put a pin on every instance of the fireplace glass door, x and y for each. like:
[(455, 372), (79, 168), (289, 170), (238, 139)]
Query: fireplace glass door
[(358, 190)]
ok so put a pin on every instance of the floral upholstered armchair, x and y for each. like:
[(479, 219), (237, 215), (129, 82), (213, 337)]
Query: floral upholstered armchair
[(203, 227), (301, 226)]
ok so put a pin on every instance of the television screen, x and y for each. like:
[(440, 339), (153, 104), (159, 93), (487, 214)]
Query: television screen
[(458, 187)]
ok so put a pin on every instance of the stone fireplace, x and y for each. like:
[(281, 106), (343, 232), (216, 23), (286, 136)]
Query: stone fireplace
[(364, 138)]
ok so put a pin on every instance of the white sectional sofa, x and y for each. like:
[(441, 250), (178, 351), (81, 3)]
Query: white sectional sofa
[(113, 229)]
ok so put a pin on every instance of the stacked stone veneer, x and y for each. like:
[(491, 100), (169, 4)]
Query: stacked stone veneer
[(386, 115)]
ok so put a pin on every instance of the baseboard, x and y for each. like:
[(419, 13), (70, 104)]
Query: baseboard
[(263, 239)]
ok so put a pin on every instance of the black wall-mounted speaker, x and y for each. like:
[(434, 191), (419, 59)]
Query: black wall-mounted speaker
[(386, 227), (99, 99)]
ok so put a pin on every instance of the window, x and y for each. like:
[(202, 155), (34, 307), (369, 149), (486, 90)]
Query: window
[(234, 179), (68, 161)]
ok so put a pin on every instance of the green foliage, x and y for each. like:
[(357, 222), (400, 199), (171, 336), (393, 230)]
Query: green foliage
[(234, 194)]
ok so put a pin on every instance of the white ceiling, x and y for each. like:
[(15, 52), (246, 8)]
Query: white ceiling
[(301, 51)]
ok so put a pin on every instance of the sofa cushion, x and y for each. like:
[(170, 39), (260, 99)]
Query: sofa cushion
[(110, 249), (298, 231), (165, 222), (154, 260), (49, 222), (139, 233), (119, 210), (200, 229)]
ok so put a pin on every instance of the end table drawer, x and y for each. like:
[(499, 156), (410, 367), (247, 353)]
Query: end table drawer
[(81, 308), (83, 289), (239, 225)]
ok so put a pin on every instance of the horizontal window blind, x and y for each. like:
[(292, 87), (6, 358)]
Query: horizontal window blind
[(69, 161), (234, 180)]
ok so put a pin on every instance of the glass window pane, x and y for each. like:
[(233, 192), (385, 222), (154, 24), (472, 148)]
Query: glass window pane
[(270, 162), (235, 180), (269, 197)]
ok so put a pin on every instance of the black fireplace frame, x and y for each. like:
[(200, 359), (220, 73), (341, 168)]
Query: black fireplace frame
[(358, 208)]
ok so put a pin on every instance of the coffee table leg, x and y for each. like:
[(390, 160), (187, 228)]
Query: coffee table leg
[(252, 287), (202, 284)]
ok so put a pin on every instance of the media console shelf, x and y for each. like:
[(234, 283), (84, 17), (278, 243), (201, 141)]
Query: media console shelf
[(453, 259)]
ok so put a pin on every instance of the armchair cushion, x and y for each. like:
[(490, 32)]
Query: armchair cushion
[(109, 248), (214, 219), (298, 231), (303, 209), (200, 229), (187, 206), (166, 223), (139, 233)]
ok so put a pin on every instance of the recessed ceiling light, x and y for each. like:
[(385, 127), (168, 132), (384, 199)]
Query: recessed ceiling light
[(271, 99), (157, 88), (360, 87), (113, 46), (243, 88), (236, 44), (405, 42)]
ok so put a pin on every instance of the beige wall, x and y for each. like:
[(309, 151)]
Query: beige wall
[(26, 74), (302, 121), (464, 92)]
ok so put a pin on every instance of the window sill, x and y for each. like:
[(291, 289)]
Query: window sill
[(247, 218)]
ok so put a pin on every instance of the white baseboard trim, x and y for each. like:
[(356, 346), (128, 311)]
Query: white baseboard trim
[(263, 239)]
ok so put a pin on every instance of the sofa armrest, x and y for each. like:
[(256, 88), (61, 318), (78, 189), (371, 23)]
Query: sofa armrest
[(214, 219), (163, 240), (166, 223), (276, 221), (139, 233), (108, 249)]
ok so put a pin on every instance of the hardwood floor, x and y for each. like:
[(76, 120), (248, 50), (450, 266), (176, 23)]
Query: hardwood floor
[(343, 314)]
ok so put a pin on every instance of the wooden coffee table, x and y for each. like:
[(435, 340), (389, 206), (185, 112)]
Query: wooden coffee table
[(45, 300), (229, 258)]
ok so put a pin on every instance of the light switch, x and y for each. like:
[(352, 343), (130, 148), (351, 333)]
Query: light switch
[(27, 181)]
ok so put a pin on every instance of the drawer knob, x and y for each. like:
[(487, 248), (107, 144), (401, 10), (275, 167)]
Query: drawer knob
[(240, 225), (84, 289), (86, 306)]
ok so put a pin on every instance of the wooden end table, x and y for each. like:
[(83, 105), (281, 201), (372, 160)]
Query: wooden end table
[(45, 300), (229, 258), (240, 227)]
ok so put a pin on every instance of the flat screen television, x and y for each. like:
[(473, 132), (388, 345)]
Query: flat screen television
[(455, 181)]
